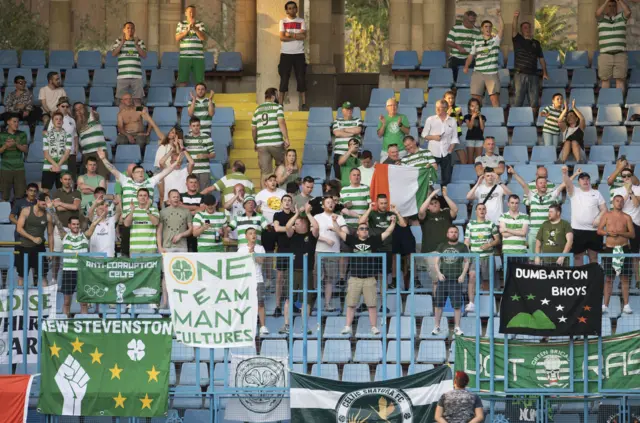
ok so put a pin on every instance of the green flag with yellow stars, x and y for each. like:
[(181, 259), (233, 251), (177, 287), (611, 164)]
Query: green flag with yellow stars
[(113, 367)]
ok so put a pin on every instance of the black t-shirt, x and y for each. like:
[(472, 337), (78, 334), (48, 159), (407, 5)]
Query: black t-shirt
[(301, 244), (316, 206), (378, 223), (434, 229), (191, 200), (283, 240), (364, 267), (475, 133), (526, 55)]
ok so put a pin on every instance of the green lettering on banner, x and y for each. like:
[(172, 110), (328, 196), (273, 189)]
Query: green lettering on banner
[(199, 298), (231, 267), (203, 320), (215, 272), (222, 296), (244, 295), (546, 365)]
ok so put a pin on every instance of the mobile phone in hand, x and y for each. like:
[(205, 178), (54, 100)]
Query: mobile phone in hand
[(139, 108)]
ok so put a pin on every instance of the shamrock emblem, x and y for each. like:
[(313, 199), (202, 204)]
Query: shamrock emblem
[(182, 270), (136, 349)]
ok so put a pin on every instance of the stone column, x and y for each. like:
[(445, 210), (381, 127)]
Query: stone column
[(60, 25), (399, 26), (320, 48), (449, 16), (337, 32), (153, 26), (417, 26), (268, 15), (138, 13), (170, 14), (587, 25), (245, 31), (434, 28), (507, 7)]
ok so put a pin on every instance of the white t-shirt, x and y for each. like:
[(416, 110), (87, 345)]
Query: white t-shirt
[(50, 97), (160, 153), (366, 175), (103, 239), (175, 180), (270, 202), (296, 26), (257, 249), (585, 207), (495, 204), (69, 126), (628, 207), (324, 223)]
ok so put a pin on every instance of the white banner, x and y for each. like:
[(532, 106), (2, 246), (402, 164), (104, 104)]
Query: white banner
[(18, 324), (213, 298), (259, 372)]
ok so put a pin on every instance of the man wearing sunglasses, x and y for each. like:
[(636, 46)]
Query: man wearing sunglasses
[(20, 103)]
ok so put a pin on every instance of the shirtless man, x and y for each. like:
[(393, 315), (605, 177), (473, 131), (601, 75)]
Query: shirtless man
[(130, 125), (619, 230)]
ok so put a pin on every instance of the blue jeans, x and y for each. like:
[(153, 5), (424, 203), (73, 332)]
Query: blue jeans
[(551, 139), (527, 86)]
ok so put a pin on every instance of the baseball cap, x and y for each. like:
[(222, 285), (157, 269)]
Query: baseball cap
[(347, 105), (248, 198), (208, 200), (269, 176), (63, 100), (584, 175)]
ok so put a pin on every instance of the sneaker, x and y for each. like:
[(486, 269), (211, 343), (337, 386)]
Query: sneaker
[(264, 331), (375, 331), (284, 330), (346, 330), (558, 162), (391, 286), (605, 309), (436, 331), (277, 312), (457, 331), (329, 309), (470, 308), (627, 309)]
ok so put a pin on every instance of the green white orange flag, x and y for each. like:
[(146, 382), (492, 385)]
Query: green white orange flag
[(14, 397), (406, 187)]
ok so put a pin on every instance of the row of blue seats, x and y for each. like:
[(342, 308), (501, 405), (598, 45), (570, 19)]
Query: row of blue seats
[(93, 59), (407, 60)]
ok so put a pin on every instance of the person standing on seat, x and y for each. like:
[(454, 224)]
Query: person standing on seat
[(31, 227), (69, 125), (526, 53), (202, 150), (392, 128), (13, 146), (91, 135), (460, 41), (129, 49), (57, 149), (202, 106), (612, 17), (441, 132), (344, 130), (293, 32), (192, 36)]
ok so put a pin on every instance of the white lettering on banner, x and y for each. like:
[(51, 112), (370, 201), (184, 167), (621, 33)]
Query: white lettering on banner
[(110, 326), (552, 274), (17, 322), (569, 291), (213, 298)]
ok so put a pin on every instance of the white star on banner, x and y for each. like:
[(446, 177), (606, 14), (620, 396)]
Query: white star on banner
[(545, 302), (562, 319), (560, 308)]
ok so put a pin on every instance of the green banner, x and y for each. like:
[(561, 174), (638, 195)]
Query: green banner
[(545, 366), (94, 367), (119, 280)]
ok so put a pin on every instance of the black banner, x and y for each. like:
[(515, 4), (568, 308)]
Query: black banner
[(552, 301)]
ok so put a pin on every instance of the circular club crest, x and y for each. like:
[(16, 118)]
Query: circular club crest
[(182, 270), (382, 404), (552, 368), (261, 372)]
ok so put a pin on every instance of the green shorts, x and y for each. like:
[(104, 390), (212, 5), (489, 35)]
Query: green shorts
[(186, 65)]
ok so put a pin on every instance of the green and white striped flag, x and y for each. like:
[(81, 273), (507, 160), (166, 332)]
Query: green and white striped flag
[(406, 399)]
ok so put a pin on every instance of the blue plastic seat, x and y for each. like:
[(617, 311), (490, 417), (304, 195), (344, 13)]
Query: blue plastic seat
[(458, 192), (576, 59), (76, 94), (634, 79), (101, 96), (463, 96), (494, 115), (505, 78), (498, 132), (554, 173), (333, 326), (547, 96), (633, 96), (229, 61), (315, 154), (317, 172), (434, 352), (464, 79), (504, 98), (357, 372), (170, 60), (436, 94), (610, 97), (602, 154), (368, 351), (633, 110), (105, 77), (440, 78), (372, 118), (584, 78), (464, 174), (582, 96), (542, 155), (614, 135), (89, 59), (36, 154), (188, 374), (428, 323), (327, 371), (627, 323), (405, 351), (387, 371), (407, 327), (379, 97), (298, 354), (519, 116), (162, 78), (433, 60), (41, 78), (222, 152), (61, 59), (318, 135), (524, 135), (33, 59), (222, 134), (558, 78), (127, 154), (609, 116), (631, 151), (320, 116), (516, 154), (411, 113), (183, 96), (224, 116), (337, 351), (108, 115), (110, 61), (150, 153), (412, 97), (209, 61), (405, 60), (552, 59), (165, 116), (190, 396), (274, 348), (181, 352), (486, 307), (159, 96), (13, 72), (312, 325), (8, 59), (151, 61), (76, 78)]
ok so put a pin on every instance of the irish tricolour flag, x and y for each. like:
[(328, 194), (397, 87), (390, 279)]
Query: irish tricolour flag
[(406, 187), (409, 399)]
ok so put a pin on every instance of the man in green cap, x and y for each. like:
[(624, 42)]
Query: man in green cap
[(344, 129)]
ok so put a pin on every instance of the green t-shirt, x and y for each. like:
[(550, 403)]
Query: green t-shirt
[(378, 223), (392, 132), (12, 158), (553, 237), (345, 170), (451, 266), (434, 229)]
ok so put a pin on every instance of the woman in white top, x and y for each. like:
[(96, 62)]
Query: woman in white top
[(165, 141), (572, 125)]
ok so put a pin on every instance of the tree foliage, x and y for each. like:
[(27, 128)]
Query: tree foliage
[(370, 12), (366, 48), (96, 35), (21, 28), (551, 29)]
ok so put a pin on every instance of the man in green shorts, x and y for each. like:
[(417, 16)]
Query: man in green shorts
[(191, 35)]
